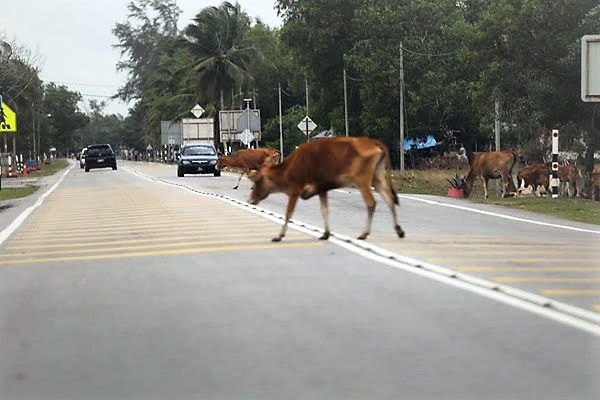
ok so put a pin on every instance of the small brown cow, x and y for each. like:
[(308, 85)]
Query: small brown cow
[(492, 165), (316, 167), (595, 183), (243, 161), (535, 175), (570, 178)]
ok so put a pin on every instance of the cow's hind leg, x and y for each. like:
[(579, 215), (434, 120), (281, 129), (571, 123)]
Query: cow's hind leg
[(325, 213), (293, 198), (381, 184), (365, 190)]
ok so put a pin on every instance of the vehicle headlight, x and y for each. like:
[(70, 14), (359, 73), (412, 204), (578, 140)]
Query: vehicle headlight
[(185, 162), (213, 162)]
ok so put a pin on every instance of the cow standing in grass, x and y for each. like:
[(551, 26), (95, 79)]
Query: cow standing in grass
[(315, 168), (570, 179), (492, 165), (243, 161), (535, 175)]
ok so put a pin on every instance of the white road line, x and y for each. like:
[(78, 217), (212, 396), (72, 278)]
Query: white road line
[(498, 215)]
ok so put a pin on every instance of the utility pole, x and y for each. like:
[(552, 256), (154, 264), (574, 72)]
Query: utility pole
[(280, 125), (401, 109), (345, 103), (497, 123)]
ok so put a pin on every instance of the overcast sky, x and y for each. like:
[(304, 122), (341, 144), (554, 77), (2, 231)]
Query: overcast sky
[(73, 39)]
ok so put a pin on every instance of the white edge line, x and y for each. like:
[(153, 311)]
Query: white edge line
[(493, 214), (519, 299), (10, 229)]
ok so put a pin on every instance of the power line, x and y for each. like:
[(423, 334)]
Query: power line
[(85, 84)]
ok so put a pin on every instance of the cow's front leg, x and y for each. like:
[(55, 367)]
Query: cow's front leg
[(484, 183), (325, 213), (293, 198), (369, 200), (238, 182)]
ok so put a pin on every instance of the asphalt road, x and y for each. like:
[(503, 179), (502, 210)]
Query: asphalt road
[(136, 284)]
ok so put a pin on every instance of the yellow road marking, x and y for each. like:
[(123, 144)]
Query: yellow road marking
[(150, 226), (260, 239), (521, 260), (412, 245), (133, 241), (492, 252), (570, 292), (138, 233), (528, 269), (164, 252), (596, 307), (509, 279)]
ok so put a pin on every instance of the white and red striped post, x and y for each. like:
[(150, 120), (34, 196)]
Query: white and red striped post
[(554, 180)]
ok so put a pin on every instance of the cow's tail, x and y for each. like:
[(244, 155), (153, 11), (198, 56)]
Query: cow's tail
[(388, 170)]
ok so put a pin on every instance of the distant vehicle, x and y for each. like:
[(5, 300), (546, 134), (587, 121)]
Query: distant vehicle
[(82, 157), (198, 158), (100, 156)]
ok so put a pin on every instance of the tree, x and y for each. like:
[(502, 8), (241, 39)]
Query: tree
[(222, 55)]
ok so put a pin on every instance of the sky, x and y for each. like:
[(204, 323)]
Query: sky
[(71, 41)]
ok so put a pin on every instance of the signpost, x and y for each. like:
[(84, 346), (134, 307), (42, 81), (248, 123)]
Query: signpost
[(197, 111), (307, 125), (8, 118), (590, 68)]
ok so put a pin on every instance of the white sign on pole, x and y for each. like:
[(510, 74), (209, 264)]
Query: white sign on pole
[(590, 68), (307, 125), (197, 111), (246, 137)]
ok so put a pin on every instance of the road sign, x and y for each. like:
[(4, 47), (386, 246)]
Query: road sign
[(8, 118), (307, 125), (248, 120), (246, 137), (197, 111), (590, 68)]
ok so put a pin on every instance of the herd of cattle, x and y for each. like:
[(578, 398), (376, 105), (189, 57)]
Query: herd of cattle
[(316, 167), (501, 165)]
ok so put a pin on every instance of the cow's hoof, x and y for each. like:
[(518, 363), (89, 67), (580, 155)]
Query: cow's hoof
[(363, 236), (276, 239), (235, 187), (400, 232), (325, 236)]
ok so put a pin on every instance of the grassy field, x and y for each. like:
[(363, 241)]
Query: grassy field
[(435, 182)]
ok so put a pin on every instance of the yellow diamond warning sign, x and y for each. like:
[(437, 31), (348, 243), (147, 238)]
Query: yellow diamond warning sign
[(8, 118)]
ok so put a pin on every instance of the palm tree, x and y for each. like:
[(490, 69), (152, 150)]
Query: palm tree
[(222, 56)]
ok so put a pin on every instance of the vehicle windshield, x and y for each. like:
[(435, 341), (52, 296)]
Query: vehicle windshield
[(199, 151), (95, 151)]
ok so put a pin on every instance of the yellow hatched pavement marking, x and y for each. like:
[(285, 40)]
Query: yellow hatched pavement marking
[(131, 241), (163, 252), (492, 252), (151, 227), (103, 249), (549, 260), (510, 279), (138, 233), (477, 245), (528, 269), (596, 307), (570, 292)]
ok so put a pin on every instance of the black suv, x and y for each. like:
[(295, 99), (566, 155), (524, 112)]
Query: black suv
[(100, 156), (198, 159)]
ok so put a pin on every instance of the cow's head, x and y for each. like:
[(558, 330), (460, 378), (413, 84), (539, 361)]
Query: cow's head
[(220, 163), (466, 186), (261, 188)]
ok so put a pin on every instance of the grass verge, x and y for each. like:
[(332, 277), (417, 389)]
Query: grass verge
[(435, 182), (15, 193)]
